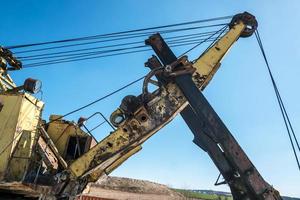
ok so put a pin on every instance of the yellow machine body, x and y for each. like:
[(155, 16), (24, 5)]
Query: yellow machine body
[(61, 156), (19, 119), (62, 132)]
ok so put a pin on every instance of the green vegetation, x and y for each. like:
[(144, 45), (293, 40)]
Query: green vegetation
[(204, 196), (290, 198), (198, 195)]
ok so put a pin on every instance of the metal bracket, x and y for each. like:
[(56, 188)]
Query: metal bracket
[(248, 19), (11, 60), (217, 183)]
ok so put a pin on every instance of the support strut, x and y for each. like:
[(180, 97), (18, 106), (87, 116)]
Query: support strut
[(211, 134)]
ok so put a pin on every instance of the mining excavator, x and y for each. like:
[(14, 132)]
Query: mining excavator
[(57, 159)]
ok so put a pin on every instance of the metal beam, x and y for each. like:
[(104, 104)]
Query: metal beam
[(201, 139), (241, 175)]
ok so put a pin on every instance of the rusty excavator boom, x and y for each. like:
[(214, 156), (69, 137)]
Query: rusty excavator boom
[(37, 158)]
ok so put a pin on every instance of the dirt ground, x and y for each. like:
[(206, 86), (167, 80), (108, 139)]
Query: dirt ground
[(131, 189)]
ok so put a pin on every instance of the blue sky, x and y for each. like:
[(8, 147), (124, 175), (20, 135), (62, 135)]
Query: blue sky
[(241, 92)]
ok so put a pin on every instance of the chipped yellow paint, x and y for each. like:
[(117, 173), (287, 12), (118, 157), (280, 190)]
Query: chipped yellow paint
[(60, 131), (117, 161), (104, 156), (209, 62), (19, 119), (81, 165)]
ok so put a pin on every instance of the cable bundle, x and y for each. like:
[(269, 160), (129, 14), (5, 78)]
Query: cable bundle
[(118, 43)]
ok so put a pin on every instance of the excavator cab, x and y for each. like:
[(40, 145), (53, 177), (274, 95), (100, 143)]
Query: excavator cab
[(70, 140)]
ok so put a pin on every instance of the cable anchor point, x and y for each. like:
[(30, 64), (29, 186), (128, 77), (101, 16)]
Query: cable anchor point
[(248, 19)]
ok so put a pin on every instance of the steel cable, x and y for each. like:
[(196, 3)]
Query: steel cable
[(76, 58), (98, 100), (119, 38), (61, 53), (221, 31), (102, 98), (284, 113), (78, 55), (116, 33)]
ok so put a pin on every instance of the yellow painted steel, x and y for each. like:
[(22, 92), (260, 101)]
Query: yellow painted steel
[(118, 162), (51, 146), (20, 116), (19, 120), (60, 131), (209, 62), (105, 155), (118, 138), (94, 176)]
